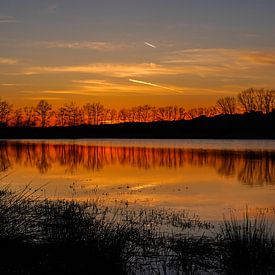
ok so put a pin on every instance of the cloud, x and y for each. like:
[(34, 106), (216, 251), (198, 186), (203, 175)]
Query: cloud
[(150, 45), (115, 70), (8, 19), (129, 70), (88, 45), (267, 58), (220, 56), (153, 85), (92, 81), (38, 98), (9, 84), (7, 61), (95, 87)]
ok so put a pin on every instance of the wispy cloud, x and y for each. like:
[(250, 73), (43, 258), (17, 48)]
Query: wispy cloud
[(150, 45), (220, 56), (267, 58), (92, 81), (8, 19), (8, 61), (120, 89), (9, 84), (111, 69), (88, 45), (154, 85)]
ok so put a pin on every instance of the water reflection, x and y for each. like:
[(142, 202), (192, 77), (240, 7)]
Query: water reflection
[(252, 168)]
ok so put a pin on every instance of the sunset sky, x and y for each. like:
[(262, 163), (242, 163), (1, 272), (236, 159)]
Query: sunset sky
[(126, 52)]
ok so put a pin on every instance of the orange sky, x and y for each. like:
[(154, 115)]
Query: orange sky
[(126, 54)]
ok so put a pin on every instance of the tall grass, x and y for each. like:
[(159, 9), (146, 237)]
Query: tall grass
[(39, 236), (247, 245)]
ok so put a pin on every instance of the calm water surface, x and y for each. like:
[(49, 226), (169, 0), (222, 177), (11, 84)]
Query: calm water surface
[(205, 177)]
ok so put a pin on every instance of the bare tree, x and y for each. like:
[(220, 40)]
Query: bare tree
[(162, 113), (18, 117), (227, 105), (154, 113), (106, 115), (72, 114), (133, 114), (88, 109), (5, 110), (61, 116), (268, 101), (145, 112), (97, 112), (43, 110), (169, 112), (194, 113), (123, 115), (113, 116), (29, 116), (211, 111), (247, 100), (181, 113), (175, 112)]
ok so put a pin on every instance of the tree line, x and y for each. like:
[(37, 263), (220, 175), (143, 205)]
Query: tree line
[(95, 113)]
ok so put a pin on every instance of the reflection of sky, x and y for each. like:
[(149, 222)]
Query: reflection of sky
[(205, 181), (191, 51)]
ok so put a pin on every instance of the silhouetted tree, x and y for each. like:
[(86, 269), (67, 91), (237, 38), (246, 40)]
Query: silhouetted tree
[(5, 110), (123, 115), (113, 115), (175, 113), (181, 113), (250, 100), (227, 105), (72, 114), (88, 109), (145, 112), (97, 112), (29, 116), (61, 116), (211, 111), (18, 117), (43, 110), (154, 113), (161, 113), (247, 100), (133, 114), (265, 100)]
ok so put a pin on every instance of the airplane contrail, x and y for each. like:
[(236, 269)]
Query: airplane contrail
[(153, 85), (150, 45)]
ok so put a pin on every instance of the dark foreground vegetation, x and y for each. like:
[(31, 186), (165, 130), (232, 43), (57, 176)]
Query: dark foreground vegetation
[(238, 126), (68, 237)]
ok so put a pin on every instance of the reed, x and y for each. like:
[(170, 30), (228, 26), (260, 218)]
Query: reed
[(40, 236), (247, 245)]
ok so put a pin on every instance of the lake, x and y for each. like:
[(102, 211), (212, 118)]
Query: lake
[(206, 177)]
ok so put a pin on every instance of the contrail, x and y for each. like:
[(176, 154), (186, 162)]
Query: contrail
[(153, 85), (150, 45)]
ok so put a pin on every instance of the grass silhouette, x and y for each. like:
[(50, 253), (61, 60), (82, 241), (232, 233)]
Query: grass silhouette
[(247, 246), (40, 236)]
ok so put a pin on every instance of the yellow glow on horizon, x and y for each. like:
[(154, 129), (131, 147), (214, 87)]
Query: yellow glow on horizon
[(192, 74)]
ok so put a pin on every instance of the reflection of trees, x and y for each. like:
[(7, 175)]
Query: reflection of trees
[(4, 158), (258, 171), (43, 159), (252, 168)]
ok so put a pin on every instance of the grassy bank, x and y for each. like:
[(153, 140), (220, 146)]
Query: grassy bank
[(68, 237)]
